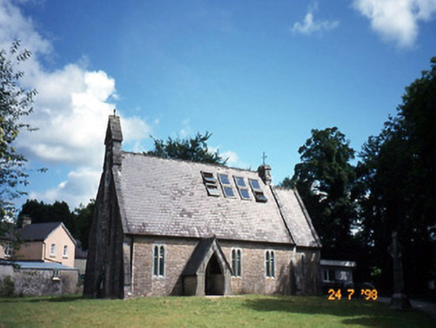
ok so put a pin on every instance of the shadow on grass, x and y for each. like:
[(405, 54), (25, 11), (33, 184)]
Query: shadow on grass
[(354, 312), (39, 299)]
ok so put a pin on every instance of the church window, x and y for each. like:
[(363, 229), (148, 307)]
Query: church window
[(269, 264), (257, 191), (211, 184), (53, 250), (226, 185), (65, 253), (242, 187), (237, 262), (158, 260)]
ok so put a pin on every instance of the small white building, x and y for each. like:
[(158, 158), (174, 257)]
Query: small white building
[(337, 273)]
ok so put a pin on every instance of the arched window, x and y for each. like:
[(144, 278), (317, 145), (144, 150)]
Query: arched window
[(65, 252), (158, 260), (270, 264), (237, 262)]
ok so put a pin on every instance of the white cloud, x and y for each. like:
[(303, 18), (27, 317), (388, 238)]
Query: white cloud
[(79, 187), (397, 20), (13, 25), (310, 25), (232, 157), (70, 110), (186, 131)]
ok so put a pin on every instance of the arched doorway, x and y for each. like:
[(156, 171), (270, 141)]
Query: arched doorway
[(214, 284)]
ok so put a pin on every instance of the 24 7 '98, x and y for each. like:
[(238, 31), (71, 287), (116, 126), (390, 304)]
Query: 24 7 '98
[(369, 294)]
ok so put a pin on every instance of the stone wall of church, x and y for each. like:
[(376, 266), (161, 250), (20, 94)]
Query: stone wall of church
[(293, 272), (253, 279), (306, 272), (177, 253)]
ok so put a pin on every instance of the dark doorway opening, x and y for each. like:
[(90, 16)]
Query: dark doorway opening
[(214, 284)]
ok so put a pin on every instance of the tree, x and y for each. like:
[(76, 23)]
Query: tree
[(194, 149), (83, 221), (397, 178), (15, 103), (40, 212), (325, 179), (77, 222)]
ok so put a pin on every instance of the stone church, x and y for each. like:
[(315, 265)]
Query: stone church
[(173, 227)]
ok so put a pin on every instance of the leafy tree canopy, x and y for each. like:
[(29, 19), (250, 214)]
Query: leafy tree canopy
[(325, 180), (15, 103), (78, 222), (397, 179), (193, 149)]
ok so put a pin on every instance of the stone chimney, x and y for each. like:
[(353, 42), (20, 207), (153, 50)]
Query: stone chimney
[(264, 172), (26, 221)]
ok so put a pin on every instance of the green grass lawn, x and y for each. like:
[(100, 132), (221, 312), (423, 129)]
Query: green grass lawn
[(243, 311)]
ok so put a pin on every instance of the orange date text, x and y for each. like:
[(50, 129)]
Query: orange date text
[(367, 294)]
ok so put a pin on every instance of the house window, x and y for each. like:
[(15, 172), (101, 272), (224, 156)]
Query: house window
[(158, 260), (329, 275), (65, 252), (257, 191), (211, 184), (236, 262), (269, 264), (8, 249), (53, 250), (242, 187), (226, 185)]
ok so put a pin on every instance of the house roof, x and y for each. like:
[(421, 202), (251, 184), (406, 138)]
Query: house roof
[(168, 197), (38, 265), (336, 263), (40, 231)]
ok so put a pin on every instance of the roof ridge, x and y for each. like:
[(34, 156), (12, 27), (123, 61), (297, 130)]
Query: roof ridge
[(186, 161)]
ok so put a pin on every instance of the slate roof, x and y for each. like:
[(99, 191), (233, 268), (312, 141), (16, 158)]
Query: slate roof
[(296, 217), (38, 265), (167, 197), (40, 231)]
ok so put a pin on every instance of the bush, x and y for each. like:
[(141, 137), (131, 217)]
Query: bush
[(7, 287)]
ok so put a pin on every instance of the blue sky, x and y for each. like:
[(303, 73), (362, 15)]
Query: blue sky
[(258, 75)]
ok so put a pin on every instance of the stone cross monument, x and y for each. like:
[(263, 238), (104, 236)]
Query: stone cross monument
[(399, 300)]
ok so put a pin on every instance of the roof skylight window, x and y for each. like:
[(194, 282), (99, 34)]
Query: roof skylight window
[(255, 184), (211, 184), (242, 187), (257, 191), (227, 187), (208, 177)]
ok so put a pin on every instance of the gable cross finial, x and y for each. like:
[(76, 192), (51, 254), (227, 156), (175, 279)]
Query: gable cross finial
[(264, 157)]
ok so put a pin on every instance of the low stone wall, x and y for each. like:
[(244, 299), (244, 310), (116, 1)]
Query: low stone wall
[(40, 282)]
